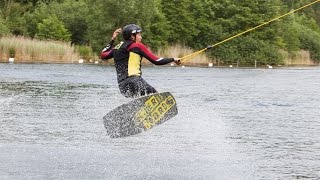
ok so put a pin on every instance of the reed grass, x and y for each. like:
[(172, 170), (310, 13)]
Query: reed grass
[(28, 50), (301, 57), (180, 51)]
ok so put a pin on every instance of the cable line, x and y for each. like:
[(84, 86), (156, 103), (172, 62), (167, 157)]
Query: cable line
[(187, 57)]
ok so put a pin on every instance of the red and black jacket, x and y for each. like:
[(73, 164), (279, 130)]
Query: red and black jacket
[(127, 56)]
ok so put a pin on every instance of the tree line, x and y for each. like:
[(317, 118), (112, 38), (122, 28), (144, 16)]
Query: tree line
[(191, 23)]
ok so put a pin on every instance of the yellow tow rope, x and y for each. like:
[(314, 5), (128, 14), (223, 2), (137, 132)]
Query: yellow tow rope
[(187, 57)]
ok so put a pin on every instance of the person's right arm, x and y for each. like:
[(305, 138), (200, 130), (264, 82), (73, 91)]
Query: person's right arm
[(107, 52)]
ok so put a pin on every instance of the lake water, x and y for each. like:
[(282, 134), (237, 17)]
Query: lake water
[(232, 124)]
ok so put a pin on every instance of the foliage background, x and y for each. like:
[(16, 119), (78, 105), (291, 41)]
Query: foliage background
[(191, 23)]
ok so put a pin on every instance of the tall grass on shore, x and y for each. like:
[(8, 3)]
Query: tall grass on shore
[(301, 57), (27, 50), (180, 51)]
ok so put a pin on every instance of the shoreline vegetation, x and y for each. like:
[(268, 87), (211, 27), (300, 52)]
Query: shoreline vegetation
[(26, 50)]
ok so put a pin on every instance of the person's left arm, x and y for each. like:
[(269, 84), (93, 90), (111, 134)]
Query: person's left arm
[(143, 51)]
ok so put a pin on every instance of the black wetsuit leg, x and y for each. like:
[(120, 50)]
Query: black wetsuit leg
[(135, 86)]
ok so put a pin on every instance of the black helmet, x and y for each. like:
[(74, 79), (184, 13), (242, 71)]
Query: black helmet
[(130, 29)]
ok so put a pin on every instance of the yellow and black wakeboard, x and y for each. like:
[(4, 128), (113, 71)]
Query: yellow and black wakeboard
[(140, 115)]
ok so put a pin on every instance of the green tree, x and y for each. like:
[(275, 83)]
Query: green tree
[(157, 32), (196, 24), (233, 17), (290, 36), (182, 21), (3, 28), (6, 8), (52, 28), (72, 14), (310, 40), (12, 12), (107, 15), (312, 11)]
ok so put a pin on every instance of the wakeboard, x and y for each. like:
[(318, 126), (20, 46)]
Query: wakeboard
[(140, 115)]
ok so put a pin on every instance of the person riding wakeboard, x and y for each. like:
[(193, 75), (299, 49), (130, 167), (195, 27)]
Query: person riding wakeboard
[(127, 56)]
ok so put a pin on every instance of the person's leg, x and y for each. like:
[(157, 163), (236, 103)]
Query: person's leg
[(144, 88), (134, 87), (126, 89)]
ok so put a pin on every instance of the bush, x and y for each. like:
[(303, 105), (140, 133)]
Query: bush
[(12, 52), (54, 29), (310, 40), (3, 28), (247, 50), (85, 52)]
